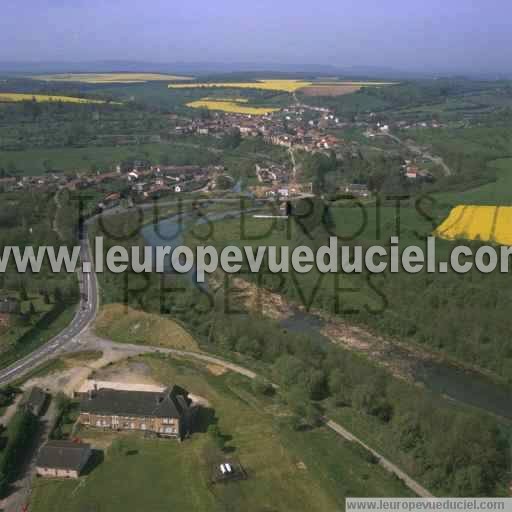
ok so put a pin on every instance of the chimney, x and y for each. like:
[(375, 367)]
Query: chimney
[(92, 392)]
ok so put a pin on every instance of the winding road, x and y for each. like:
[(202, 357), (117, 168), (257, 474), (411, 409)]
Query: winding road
[(420, 152)]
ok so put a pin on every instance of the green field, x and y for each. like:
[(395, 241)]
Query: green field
[(126, 325), (288, 470), (493, 193), (37, 161)]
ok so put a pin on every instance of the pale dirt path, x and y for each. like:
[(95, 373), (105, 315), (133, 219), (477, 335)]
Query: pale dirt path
[(385, 463), (69, 380)]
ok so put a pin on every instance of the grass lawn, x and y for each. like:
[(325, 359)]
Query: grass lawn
[(288, 470), (126, 325), (31, 161), (136, 475)]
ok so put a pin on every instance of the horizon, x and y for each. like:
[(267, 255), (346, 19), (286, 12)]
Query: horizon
[(410, 37)]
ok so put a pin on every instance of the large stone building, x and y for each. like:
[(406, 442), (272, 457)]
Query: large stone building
[(164, 413)]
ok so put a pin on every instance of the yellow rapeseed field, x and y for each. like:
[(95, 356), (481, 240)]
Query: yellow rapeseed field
[(235, 107), (277, 85), (15, 96), (486, 223), (267, 85), (108, 78)]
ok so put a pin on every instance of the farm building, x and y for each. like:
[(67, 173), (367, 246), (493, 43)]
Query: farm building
[(163, 413), (62, 459), (357, 190)]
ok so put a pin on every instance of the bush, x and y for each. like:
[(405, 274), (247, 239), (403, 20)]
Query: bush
[(262, 387), (365, 454)]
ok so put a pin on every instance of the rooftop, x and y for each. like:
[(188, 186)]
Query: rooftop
[(116, 402), (63, 455), (36, 398)]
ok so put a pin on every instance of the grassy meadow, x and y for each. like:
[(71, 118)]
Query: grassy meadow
[(126, 325), (495, 192), (9, 97), (103, 158)]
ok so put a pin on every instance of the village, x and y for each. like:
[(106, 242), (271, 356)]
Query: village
[(299, 129)]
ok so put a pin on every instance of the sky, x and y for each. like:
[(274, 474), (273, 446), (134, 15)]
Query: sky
[(415, 35)]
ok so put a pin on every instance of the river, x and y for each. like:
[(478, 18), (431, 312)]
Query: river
[(455, 383)]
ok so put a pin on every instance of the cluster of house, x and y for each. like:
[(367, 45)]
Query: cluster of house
[(272, 174), (153, 410), (276, 181), (156, 181), (51, 181), (143, 179), (291, 127), (413, 172), (405, 125), (150, 181), (375, 129)]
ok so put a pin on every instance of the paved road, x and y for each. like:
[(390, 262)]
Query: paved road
[(84, 316)]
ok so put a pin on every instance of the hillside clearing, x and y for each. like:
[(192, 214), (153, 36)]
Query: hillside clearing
[(126, 325)]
